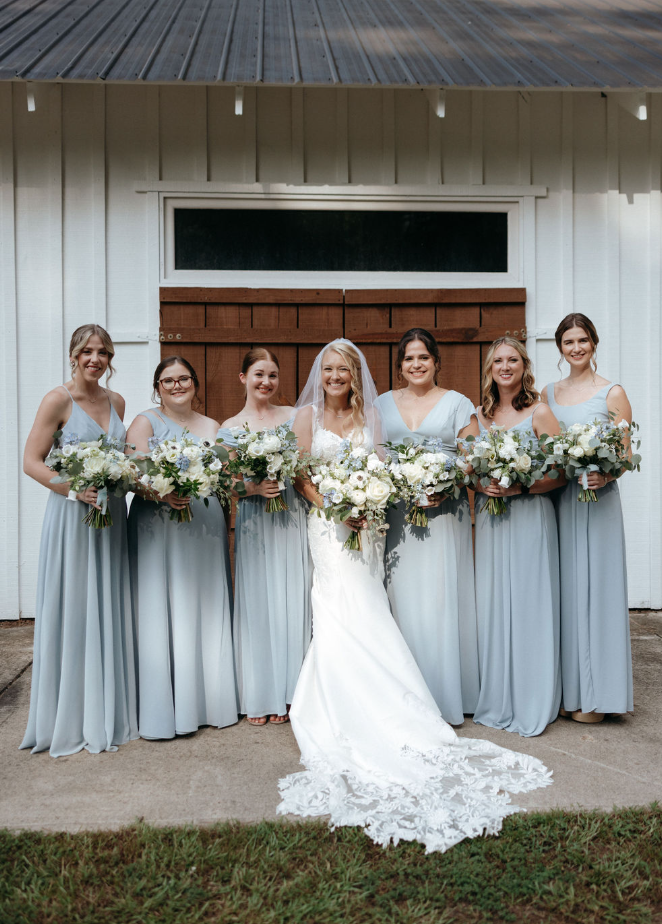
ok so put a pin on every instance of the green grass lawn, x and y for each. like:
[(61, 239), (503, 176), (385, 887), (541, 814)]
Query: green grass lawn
[(544, 867)]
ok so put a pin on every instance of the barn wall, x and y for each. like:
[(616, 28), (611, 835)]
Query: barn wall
[(78, 243)]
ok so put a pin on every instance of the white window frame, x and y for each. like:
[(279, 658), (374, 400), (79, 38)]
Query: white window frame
[(500, 199)]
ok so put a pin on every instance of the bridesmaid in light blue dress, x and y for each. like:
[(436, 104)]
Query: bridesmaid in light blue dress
[(517, 568), (180, 582), (83, 677), (272, 618), (439, 625), (596, 663)]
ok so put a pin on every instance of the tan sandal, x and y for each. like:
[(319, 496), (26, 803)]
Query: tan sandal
[(257, 720), (279, 719)]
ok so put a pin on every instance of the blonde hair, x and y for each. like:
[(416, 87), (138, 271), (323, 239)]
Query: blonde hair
[(351, 357), (489, 391), (79, 340)]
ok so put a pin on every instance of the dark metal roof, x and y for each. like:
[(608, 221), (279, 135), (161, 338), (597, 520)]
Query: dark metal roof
[(431, 43)]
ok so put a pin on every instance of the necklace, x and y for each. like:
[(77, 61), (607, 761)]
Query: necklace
[(341, 416)]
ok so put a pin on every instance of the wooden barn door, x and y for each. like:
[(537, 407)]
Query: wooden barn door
[(213, 328)]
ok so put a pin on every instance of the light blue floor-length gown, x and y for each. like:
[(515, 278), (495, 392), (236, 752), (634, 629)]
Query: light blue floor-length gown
[(272, 616), (84, 674), (596, 663), (430, 573), (182, 598), (517, 602)]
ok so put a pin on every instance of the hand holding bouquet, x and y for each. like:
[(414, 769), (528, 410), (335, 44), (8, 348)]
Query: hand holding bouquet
[(356, 484), (100, 464), (593, 447), (267, 454), (506, 456), (189, 468), (420, 470)]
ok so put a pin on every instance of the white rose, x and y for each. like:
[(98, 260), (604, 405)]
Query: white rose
[(328, 485), (215, 466), (508, 449), (162, 485), (374, 463), (94, 465), (191, 452), (171, 454), (359, 453), (522, 463), (204, 485), (357, 497), (195, 469), (504, 481), (583, 441), (412, 471), (377, 492), (115, 471), (576, 452)]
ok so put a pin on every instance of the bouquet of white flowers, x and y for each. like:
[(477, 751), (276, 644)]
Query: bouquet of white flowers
[(99, 463), (190, 468), (356, 484), (593, 447), (267, 454), (509, 457), (420, 470)]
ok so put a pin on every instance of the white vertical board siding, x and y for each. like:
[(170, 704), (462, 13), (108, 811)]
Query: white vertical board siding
[(78, 243), (9, 425)]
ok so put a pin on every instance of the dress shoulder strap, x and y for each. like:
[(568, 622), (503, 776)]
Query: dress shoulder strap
[(68, 392)]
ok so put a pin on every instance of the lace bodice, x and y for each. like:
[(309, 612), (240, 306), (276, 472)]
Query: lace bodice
[(326, 443)]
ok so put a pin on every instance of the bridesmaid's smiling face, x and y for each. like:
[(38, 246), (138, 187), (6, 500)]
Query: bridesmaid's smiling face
[(507, 367), (179, 397), (262, 379), (576, 347), (92, 361), (418, 366), (336, 375)]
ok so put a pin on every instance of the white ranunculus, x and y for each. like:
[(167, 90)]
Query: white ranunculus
[(377, 492), (191, 452), (357, 497), (328, 485), (270, 443), (576, 452), (171, 453), (162, 485)]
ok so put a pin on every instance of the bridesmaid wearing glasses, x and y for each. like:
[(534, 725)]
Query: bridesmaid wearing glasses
[(272, 622), (596, 664), (439, 625), (180, 580), (83, 676), (517, 566)]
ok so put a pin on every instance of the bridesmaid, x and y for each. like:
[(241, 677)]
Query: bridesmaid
[(83, 679), (180, 581), (517, 568), (272, 622), (596, 665), (439, 626)]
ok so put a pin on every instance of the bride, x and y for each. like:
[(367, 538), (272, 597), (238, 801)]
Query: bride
[(376, 751)]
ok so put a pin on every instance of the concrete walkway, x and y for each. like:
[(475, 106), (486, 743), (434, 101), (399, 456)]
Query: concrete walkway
[(232, 773)]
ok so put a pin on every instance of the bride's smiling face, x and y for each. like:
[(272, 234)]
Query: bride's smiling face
[(336, 375)]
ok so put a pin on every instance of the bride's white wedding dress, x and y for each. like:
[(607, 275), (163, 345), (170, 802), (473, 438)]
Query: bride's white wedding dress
[(376, 750)]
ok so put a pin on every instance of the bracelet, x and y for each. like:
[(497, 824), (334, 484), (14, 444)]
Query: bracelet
[(72, 496), (525, 488)]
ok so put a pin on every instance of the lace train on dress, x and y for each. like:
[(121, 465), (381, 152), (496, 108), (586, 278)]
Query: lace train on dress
[(376, 751)]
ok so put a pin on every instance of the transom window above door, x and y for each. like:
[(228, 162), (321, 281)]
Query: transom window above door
[(345, 241)]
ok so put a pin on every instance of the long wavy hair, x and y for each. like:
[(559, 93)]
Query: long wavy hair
[(356, 402), (578, 320), (79, 340), (489, 391), (428, 341)]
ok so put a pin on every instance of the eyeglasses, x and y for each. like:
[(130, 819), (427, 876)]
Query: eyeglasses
[(169, 384)]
